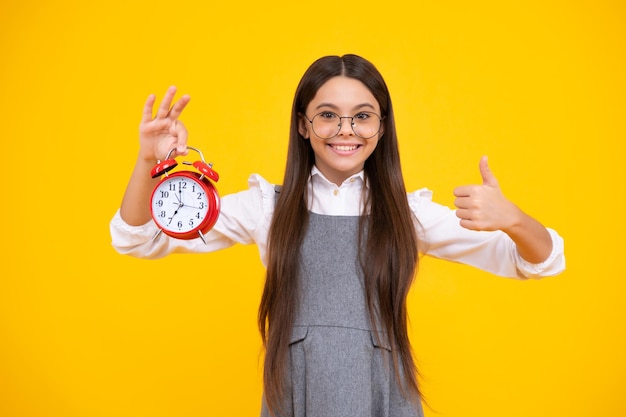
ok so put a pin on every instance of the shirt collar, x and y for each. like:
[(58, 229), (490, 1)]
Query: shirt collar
[(316, 173)]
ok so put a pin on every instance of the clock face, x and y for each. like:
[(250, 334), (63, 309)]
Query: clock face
[(180, 204)]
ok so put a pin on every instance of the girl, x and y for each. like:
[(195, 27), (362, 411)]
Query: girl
[(340, 239)]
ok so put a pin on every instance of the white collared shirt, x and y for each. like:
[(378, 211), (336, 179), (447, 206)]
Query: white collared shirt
[(245, 218), (327, 198)]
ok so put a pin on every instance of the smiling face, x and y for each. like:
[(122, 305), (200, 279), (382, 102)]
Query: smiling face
[(343, 155)]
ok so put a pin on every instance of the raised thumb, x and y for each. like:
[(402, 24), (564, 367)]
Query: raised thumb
[(486, 174)]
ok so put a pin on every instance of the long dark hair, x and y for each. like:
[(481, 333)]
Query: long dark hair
[(389, 248)]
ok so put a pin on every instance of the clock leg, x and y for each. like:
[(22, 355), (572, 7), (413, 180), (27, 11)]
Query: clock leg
[(157, 234), (202, 236)]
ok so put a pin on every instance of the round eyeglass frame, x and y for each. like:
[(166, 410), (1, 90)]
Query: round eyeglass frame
[(380, 124)]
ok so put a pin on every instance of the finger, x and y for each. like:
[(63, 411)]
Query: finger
[(468, 224), (463, 191), (179, 106), (466, 221), (462, 213), (147, 108), (181, 146), (486, 174), (462, 202), (179, 130), (164, 107)]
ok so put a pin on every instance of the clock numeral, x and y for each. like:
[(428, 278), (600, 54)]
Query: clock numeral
[(159, 203), (165, 194)]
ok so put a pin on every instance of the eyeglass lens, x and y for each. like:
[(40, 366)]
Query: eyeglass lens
[(327, 125)]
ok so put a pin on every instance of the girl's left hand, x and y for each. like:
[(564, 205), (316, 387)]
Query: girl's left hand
[(484, 207)]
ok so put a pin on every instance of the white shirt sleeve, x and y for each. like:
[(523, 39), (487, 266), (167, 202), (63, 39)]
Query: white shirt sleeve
[(244, 218), (495, 252)]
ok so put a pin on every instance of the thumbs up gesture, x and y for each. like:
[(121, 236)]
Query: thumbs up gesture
[(484, 207)]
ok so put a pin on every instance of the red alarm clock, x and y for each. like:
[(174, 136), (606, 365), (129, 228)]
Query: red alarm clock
[(185, 204)]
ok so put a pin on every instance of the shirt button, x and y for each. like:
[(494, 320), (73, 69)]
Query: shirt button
[(335, 192), (352, 179)]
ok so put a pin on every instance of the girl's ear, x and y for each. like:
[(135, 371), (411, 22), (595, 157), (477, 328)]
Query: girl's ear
[(302, 126)]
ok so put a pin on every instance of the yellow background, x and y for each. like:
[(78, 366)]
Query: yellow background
[(537, 85)]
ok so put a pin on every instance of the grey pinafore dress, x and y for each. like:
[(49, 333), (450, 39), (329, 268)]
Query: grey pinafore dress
[(337, 368)]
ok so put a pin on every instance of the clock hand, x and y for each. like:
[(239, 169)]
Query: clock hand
[(197, 208), (172, 218)]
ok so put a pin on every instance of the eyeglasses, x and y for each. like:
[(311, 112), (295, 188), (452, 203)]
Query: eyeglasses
[(327, 125)]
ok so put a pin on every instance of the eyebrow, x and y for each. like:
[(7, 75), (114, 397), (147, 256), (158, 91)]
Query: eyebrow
[(333, 106)]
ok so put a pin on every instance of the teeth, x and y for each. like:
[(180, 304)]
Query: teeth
[(345, 147)]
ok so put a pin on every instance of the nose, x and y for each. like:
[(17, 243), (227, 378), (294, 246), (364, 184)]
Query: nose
[(345, 127)]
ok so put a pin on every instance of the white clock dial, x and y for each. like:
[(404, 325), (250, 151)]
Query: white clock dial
[(179, 204)]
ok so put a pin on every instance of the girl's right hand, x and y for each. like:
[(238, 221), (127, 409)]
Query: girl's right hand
[(159, 134)]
